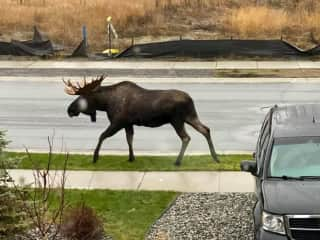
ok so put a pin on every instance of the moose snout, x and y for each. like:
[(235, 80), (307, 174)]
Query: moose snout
[(73, 113)]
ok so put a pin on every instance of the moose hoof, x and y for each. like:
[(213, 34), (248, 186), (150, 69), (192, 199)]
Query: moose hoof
[(131, 159), (216, 160), (95, 159), (177, 164)]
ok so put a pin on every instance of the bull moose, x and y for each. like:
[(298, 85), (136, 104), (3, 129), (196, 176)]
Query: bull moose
[(128, 104)]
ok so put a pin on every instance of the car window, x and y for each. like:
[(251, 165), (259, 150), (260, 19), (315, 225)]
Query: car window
[(295, 157), (264, 133), (265, 147), (265, 136)]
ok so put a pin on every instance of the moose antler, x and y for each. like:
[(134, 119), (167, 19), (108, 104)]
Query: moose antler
[(83, 87)]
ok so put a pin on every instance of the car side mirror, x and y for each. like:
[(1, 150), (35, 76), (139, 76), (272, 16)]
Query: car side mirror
[(249, 166)]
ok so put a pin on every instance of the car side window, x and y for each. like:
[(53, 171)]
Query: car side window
[(259, 139), (262, 141), (264, 147), (265, 135)]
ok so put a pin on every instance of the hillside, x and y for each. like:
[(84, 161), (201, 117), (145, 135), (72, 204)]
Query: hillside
[(296, 21)]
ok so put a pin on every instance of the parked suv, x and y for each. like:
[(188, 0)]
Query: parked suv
[(287, 173)]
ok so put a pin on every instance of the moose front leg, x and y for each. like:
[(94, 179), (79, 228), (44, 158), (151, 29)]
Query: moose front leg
[(129, 135), (111, 130)]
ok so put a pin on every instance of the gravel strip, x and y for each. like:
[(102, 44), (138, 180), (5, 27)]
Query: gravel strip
[(207, 216)]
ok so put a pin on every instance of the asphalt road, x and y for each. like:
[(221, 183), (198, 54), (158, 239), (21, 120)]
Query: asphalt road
[(31, 111)]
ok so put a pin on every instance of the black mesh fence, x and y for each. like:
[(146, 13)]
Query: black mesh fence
[(169, 49), (35, 47), (217, 48)]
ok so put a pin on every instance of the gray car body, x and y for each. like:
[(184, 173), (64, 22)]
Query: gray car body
[(280, 196)]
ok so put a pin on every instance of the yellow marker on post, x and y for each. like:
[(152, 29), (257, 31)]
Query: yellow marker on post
[(110, 32), (112, 51)]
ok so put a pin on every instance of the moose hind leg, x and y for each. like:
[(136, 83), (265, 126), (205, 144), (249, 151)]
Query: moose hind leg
[(181, 131), (111, 130), (205, 131), (129, 136)]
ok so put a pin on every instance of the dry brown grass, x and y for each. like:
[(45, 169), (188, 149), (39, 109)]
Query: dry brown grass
[(270, 22), (252, 21), (62, 19)]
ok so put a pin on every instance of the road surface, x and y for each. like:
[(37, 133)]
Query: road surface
[(32, 110)]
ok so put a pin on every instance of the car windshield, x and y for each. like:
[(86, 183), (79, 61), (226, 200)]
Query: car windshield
[(295, 157)]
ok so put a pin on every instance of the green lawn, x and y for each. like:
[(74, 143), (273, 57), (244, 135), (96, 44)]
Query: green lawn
[(126, 214), (142, 163)]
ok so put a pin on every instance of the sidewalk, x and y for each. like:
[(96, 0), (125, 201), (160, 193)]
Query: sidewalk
[(167, 80), (160, 65), (159, 181), (160, 72)]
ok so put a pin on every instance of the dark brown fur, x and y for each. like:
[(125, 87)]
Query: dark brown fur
[(128, 104)]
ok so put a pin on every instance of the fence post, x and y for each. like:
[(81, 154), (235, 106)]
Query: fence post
[(84, 35), (110, 39)]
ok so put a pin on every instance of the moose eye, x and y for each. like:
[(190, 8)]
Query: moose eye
[(83, 104)]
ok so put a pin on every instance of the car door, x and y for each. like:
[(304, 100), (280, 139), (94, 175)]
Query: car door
[(261, 152)]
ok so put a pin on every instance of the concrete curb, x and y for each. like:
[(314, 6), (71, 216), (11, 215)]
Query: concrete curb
[(169, 80), (125, 153), (138, 64)]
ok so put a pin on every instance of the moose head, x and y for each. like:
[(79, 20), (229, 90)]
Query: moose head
[(85, 103)]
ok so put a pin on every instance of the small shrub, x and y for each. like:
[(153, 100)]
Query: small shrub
[(82, 223), (45, 219), (12, 217)]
